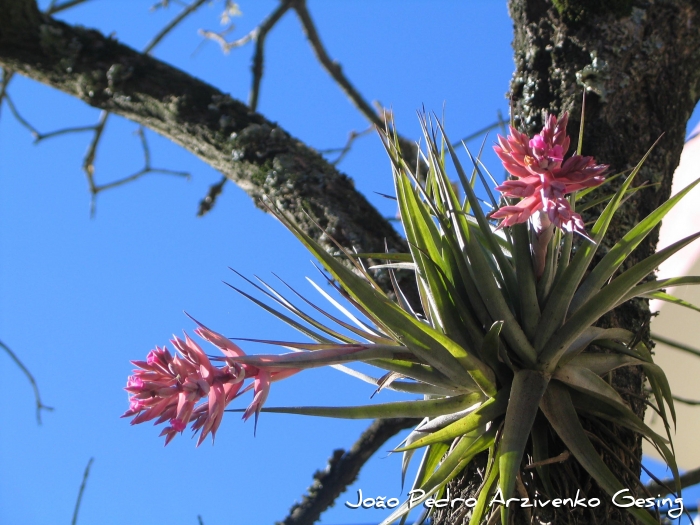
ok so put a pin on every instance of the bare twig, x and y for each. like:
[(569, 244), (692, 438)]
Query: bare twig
[(13, 109), (675, 344), (89, 160), (342, 470), (496, 125), (207, 203), (173, 24), (6, 77), (332, 67), (86, 473), (37, 397), (342, 152), (259, 34), (147, 168), (64, 131), (55, 7), (199, 520), (259, 56)]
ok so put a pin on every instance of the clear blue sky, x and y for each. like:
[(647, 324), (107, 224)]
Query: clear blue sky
[(80, 297)]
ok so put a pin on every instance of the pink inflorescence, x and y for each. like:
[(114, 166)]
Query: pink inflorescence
[(543, 177), (168, 388)]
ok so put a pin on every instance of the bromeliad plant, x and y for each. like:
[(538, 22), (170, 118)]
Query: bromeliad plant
[(498, 345)]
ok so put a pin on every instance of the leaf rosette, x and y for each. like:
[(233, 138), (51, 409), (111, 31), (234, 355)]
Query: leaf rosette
[(498, 345)]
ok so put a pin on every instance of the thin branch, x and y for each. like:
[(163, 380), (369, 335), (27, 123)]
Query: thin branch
[(89, 160), (342, 152), (6, 77), (86, 473), (496, 125), (64, 131), (690, 478), (37, 397), (676, 345), (342, 470), (147, 168), (55, 7), (208, 202), (199, 520), (332, 67), (13, 109), (173, 24), (557, 459), (259, 56)]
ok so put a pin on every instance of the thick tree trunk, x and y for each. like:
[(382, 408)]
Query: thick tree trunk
[(639, 63)]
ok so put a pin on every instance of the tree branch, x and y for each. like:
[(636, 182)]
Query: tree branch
[(83, 484), (258, 58), (336, 72), (690, 478), (342, 470), (255, 153), (37, 397), (173, 24)]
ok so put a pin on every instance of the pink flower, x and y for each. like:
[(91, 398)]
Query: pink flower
[(169, 388), (543, 177)]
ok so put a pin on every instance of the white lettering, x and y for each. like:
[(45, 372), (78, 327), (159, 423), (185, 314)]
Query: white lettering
[(359, 500)]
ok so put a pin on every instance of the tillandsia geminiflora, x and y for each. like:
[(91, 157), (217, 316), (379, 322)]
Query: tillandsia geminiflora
[(497, 347)]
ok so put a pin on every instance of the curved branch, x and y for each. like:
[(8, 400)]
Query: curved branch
[(257, 154)]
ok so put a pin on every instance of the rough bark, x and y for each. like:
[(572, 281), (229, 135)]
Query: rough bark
[(639, 64)]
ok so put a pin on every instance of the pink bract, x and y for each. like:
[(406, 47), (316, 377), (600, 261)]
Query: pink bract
[(172, 388), (543, 177)]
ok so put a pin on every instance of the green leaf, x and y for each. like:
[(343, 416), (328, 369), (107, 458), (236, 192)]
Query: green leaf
[(490, 410), (557, 306), (431, 459), (661, 284), (525, 395), (527, 290), (419, 408), (540, 452), (389, 256), (601, 364), (609, 264), (604, 301), (662, 296), (587, 381), (465, 449), (486, 490), (559, 410), (423, 340)]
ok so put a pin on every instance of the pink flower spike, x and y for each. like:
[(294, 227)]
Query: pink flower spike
[(175, 389), (543, 177)]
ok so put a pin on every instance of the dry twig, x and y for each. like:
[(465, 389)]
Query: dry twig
[(37, 397), (86, 473)]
